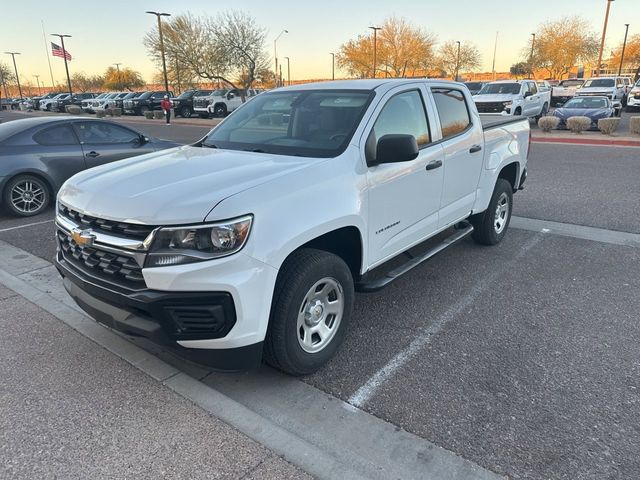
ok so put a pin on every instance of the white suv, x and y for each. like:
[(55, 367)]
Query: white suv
[(510, 97), (633, 98), (615, 88)]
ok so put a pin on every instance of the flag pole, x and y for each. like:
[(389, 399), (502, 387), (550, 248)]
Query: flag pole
[(46, 48)]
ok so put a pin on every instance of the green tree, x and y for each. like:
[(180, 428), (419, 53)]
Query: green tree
[(561, 45), (519, 69), (402, 49), (82, 82), (125, 79)]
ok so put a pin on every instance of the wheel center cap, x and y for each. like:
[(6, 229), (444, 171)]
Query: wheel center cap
[(28, 196), (314, 314)]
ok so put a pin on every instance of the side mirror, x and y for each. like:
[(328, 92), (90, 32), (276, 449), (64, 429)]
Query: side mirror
[(395, 148), (230, 96), (527, 94)]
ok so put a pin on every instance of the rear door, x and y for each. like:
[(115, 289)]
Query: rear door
[(533, 103), (104, 142), (404, 197), (58, 150), (462, 142)]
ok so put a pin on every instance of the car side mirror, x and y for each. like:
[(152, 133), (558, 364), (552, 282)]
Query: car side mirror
[(395, 148), (230, 96), (527, 94)]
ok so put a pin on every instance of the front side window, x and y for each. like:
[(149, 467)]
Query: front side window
[(307, 123), (452, 110), (404, 114), (104, 133), (58, 135)]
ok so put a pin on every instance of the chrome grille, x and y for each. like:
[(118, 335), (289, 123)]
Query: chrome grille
[(118, 268), (201, 103), (490, 107)]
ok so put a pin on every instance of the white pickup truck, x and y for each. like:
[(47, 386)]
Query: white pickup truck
[(565, 91), (510, 97), (250, 243)]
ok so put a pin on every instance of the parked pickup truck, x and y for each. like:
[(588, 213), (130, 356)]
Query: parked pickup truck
[(565, 91), (509, 97), (251, 242)]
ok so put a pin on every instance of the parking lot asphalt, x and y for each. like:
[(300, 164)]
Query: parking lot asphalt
[(522, 357)]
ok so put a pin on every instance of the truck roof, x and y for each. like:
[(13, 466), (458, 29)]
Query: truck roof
[(364, 84)]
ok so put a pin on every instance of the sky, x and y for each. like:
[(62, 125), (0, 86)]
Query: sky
[(104, 33)]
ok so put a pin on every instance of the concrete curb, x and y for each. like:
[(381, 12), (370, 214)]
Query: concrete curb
[(342, 443), (617, 142)]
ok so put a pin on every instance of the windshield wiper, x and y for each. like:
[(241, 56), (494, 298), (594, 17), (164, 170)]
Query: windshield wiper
[(255, 150), (208, 145)]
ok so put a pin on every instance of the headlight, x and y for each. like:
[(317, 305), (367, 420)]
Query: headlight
[(507, 104), (135, 102), (197, 243)]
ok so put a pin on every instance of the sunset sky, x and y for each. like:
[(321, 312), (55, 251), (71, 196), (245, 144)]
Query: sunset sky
[(109, 32)]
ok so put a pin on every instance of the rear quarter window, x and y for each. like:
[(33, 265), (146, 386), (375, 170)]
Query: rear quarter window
[(452, 109)]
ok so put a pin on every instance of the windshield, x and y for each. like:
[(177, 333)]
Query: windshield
[(500, 88), (474, 85), (600, 82), (145, 95), (587, 102), (571, 83), (308, 123)]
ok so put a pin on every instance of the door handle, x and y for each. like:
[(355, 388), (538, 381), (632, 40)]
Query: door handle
[(475, 148), (433, 165), (93, 154)]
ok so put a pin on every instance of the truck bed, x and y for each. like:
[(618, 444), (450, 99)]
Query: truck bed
[(494, 121)]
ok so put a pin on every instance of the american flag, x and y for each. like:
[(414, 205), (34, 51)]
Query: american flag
[(58, 51)]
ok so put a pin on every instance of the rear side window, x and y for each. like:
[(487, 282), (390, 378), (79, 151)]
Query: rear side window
[(452, 111), (59, 135), (404, 114)]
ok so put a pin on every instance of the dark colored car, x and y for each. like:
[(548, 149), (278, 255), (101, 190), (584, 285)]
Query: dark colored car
[(75, 99), (474, 87), (593, 107), (128, 96), (145, 102), (183, 104), (38, 154)]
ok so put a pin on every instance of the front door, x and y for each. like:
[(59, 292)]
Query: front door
[(404, 197), (104, 142)]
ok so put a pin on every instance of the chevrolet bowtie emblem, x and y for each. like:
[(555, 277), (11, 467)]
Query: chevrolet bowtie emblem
[(82, 238)]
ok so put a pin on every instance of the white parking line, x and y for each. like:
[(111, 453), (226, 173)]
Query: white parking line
[(25, 226), (369, 389)]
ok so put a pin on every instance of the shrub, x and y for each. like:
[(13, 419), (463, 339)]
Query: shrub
[(548, 123), (578, 124), (73, 109), (634, 125), (116, 112), (608, 125), (158, 114), (100, 113), (148, 115)]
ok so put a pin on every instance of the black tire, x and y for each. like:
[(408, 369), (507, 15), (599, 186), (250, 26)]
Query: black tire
[(299, 274), (220, 110), (21, 208), (185, 112), (485, 230), (543, 112)]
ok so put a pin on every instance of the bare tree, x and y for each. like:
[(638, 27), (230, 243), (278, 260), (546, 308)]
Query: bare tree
[(6, 77), (125, 79), (230, 48), (449, 63)]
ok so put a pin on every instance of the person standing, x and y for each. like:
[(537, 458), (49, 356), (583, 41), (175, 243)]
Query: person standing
[(165, 104)]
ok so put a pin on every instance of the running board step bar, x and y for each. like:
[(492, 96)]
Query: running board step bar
[(379, 283)]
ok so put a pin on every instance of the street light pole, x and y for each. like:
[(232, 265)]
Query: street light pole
[(333, 65), (38, 83), (15, 68), (493, 67), (164, 62), (118, 75), (604, 34), (288, 71), (533, 45), (624, 45), (375, 48), (457, 62), (66, 66), (275, 52)]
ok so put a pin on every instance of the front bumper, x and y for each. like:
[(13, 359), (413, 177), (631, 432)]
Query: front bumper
[(165, 318), (633, 101)]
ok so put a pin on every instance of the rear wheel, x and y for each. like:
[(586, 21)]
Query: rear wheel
[(312, 306), (491, 226), (26, 196), (543, 112)]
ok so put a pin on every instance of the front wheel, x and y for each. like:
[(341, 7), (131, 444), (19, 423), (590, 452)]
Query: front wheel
[(220, 110), (26, 196), (311, 310), (185, 112), (491, 226)]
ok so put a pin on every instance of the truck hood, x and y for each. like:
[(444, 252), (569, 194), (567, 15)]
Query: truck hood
[(174, 186), (604, 91), (494, 97)]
